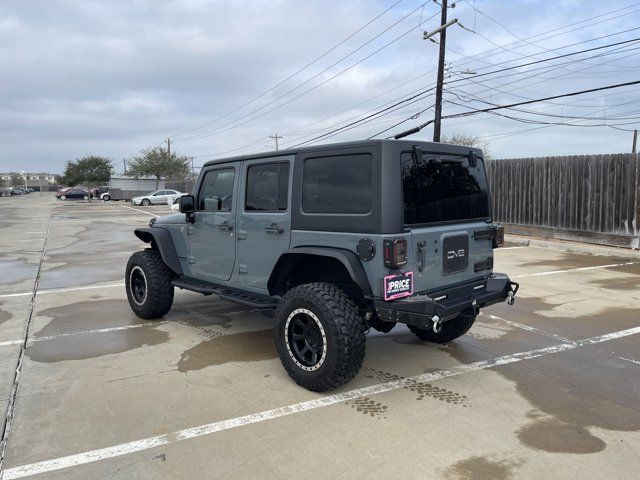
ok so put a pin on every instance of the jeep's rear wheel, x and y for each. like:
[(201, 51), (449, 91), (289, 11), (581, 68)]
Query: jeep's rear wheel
[(319, 336), (451, 329), (148, 283)]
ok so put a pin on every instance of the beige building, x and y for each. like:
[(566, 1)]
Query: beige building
[(35, 179)]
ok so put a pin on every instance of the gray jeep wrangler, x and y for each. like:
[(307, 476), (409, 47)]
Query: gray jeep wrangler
[(333, 239)]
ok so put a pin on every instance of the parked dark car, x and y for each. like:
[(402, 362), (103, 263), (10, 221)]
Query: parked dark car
[(73, 193)]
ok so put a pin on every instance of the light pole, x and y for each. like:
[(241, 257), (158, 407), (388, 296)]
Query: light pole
[(24, 174)]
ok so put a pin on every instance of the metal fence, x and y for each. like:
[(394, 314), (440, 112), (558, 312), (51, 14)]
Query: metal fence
[(592, 198)]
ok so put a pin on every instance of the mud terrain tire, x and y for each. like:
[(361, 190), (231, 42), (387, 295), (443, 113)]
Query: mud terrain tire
[(319, 336), (148, 284)]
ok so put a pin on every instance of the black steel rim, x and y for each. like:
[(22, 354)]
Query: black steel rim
[(138, 286), (305, 339)]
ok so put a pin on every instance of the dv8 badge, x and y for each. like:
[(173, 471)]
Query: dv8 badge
[(398, 285)]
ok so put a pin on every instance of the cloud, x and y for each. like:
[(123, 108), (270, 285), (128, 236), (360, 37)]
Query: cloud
[(111, 77)]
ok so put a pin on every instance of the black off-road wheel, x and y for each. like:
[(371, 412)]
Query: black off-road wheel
[(148, 283), (451, 329), (319, 336)]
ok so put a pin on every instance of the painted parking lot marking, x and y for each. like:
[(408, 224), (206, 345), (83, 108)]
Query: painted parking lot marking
[(71, 289), (138, 210), (61, 290), (630, 360), (528, 328), (81, 332), (580, 269), (91, 456), (17, 373)]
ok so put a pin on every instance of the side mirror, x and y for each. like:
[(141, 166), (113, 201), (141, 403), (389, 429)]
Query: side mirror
[(188, 206)]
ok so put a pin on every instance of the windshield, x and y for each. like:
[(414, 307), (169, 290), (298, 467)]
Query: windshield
[(443, 188)]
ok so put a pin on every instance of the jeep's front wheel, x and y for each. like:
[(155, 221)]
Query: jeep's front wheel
[(148, 283), (451, 329), (319, 336)]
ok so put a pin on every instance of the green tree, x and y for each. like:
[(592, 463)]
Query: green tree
[(17, 180), (468, 141), (155, 162), (91, 170)]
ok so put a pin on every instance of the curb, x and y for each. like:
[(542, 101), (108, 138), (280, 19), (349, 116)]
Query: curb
[(572, 247)]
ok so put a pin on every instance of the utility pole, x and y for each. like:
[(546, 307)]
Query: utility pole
[(635, 141), (276, 137), (169, 142), (440, 81), (124, 163)]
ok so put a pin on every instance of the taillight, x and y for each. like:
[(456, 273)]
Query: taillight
[(498, 237), (395, 252)]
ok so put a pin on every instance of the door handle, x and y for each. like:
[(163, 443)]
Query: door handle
[(225, 226), (274, 228)]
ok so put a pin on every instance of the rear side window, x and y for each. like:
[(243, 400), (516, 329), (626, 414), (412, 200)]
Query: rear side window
[(443, 188), (337, 184), (267, 187), (216, 191)]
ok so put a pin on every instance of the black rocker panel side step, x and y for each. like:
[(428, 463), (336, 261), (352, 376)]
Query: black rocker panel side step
[(226, 293)]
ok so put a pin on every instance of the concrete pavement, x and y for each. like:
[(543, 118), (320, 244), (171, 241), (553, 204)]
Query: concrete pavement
[(548, 388)]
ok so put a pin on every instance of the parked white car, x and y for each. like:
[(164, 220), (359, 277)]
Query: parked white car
[(156, 198), (174, 203)]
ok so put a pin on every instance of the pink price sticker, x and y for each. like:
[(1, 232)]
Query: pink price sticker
[(398, 286)]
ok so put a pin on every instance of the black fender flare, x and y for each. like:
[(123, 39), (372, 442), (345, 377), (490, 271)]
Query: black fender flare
[(161, 239), (347, 258)]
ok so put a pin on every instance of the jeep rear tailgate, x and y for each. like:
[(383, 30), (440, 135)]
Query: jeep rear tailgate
[(447, 210)]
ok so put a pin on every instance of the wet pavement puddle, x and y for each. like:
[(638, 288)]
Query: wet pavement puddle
[(253, 346)]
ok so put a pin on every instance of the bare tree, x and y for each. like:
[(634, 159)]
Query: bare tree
[(468, 141)]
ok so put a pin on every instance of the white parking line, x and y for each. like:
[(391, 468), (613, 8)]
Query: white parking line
[(60, 290), (91, 456), (81, 332), (581, 269), (511, 248), (528, 328), (138, 210), (630, 360)]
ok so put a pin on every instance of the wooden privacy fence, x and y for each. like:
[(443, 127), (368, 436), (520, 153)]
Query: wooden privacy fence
[(593, 198)]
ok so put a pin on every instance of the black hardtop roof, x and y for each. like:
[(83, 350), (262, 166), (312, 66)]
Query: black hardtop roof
[(395, 144)]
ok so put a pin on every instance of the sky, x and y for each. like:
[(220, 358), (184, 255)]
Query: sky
[(111, 78)]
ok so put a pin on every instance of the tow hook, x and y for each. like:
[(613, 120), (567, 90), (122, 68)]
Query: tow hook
[(437, 324), (511, 298)]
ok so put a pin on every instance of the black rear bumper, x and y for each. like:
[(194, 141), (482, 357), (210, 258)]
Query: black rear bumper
[(447, 303)]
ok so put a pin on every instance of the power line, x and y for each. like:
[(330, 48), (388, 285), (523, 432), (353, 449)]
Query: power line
[(229, 126), (414, 97), (479, 56), (544, 35), (297, 72), (499, 107)]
